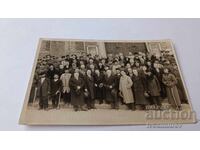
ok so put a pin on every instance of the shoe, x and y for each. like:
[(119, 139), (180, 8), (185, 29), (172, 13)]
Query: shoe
[(46, 109), (93, 107), (83, 109), (75, 109)]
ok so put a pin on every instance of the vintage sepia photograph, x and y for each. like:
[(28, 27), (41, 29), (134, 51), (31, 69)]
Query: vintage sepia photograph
[(97, 82)]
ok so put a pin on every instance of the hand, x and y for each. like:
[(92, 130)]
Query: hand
[(146, 94), (110, 86), (101, 85), (95, 85), (78, 87)]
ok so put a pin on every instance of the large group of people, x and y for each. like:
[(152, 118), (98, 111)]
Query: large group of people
[(136, 80)]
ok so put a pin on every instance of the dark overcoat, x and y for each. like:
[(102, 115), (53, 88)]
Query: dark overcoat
[(99, 88), (77, 96), (56, 86), (110, 92), (153, 85), (44, 88), (90, 85), (139, 88), (159, 77)]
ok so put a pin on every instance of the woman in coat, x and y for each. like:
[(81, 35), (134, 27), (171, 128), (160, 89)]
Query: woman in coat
[(139, 89), (77, 86), (170, 81), (125, 89)]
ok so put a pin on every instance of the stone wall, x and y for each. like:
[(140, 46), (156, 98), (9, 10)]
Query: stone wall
[(62, 48)]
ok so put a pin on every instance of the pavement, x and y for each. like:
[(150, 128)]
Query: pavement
[(103, 115)]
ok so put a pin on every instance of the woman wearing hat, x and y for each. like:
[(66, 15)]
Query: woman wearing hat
[(170, 82)]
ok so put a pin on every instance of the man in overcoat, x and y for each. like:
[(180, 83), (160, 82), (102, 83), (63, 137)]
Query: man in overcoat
[(43, 91), (111, 89), (56, 88), (77, 86)]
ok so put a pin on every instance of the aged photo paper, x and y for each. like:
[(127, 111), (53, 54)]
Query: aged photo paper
[(102, 82)]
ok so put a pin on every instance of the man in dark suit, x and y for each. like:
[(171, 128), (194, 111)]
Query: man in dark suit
[(56, 88), (111, 89), (77, 87), (89, 85), (44, 91), (99, 87)]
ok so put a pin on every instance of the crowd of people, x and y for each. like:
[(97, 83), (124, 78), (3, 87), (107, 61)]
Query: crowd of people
[(136, 80)]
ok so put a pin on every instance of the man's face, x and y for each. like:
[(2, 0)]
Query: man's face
[(76, 70), (97, 71), (128, 65), (144, 68), (51, 67), (48, 57), (91, 61), (135, 72), (166, 71), (89, 72), (108, 72), (117, 71), (131, 60), (155, 65), (130, 70), (61, 66), (82, 66), (67, 63), (137, 64), (149, 63)]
